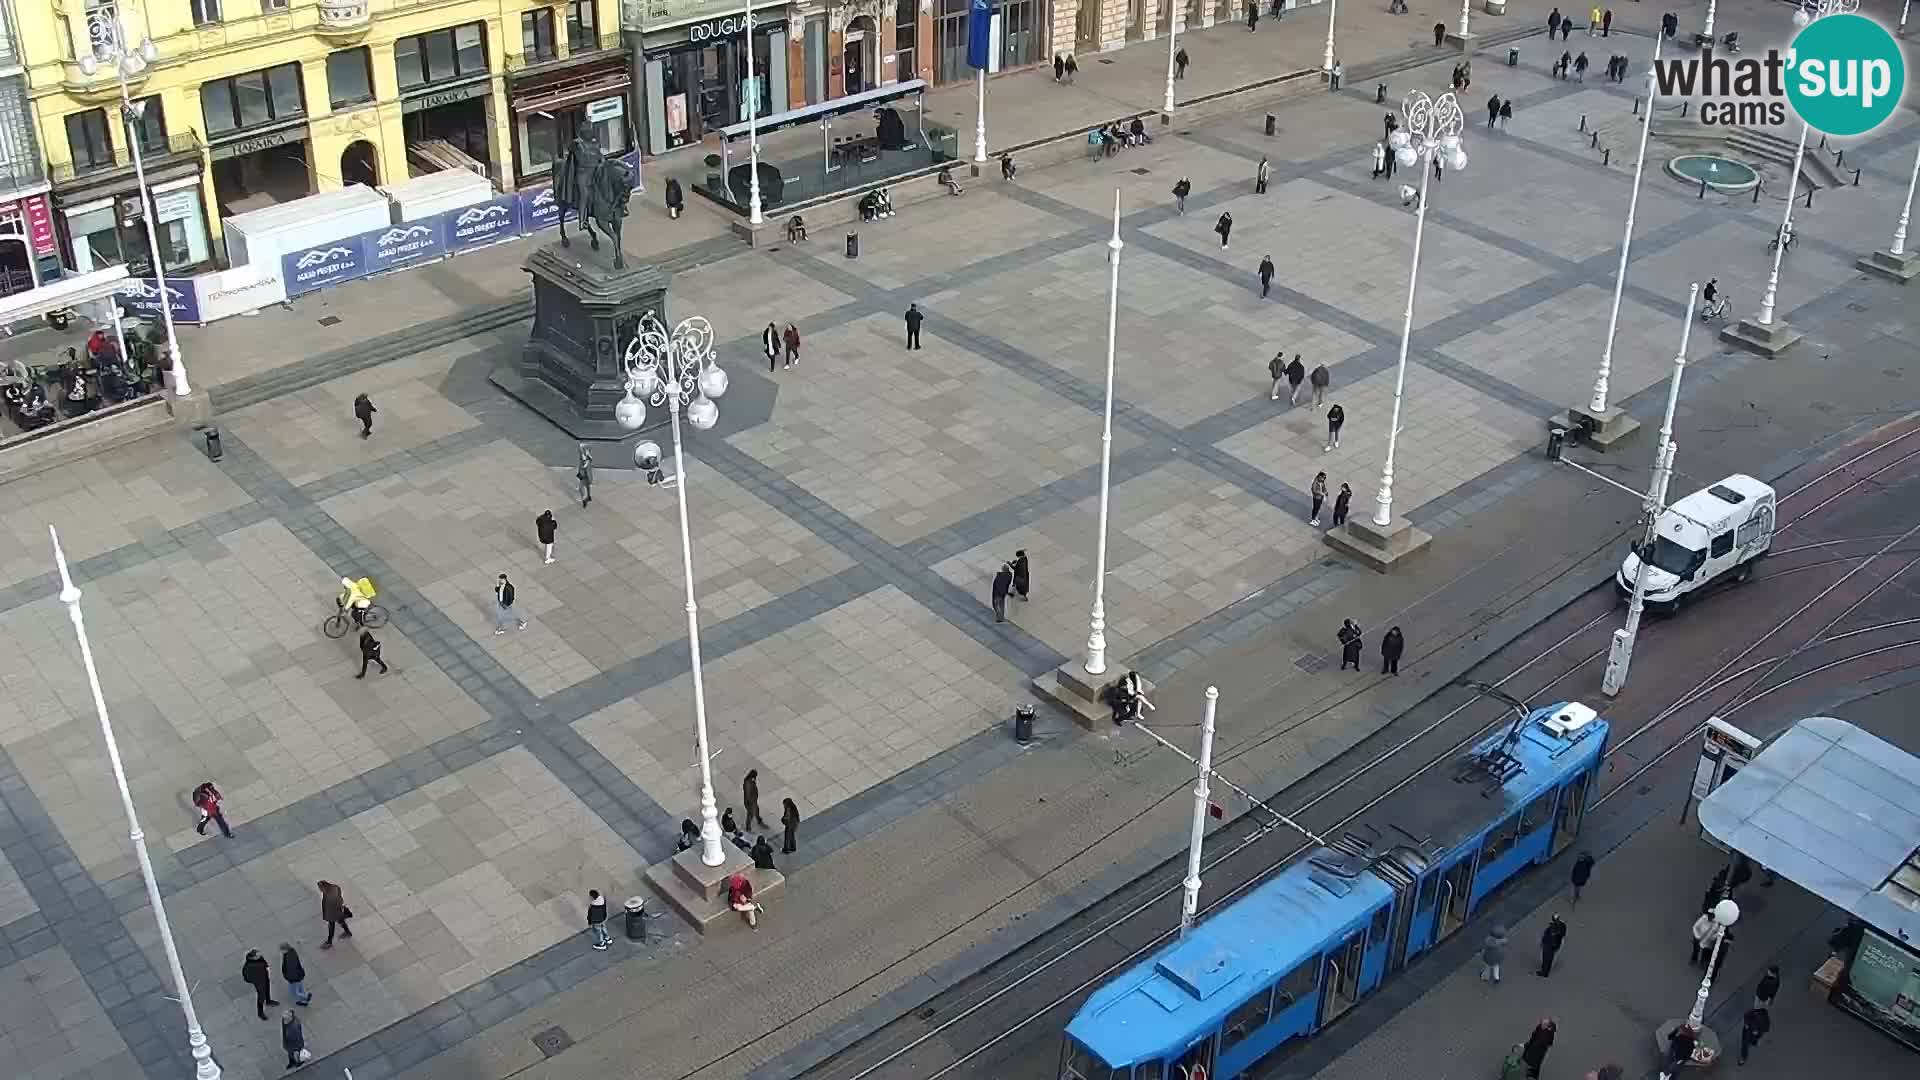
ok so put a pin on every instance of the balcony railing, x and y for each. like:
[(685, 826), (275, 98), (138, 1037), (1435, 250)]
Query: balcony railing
[(15, 175), (187, 142), (605, 44)]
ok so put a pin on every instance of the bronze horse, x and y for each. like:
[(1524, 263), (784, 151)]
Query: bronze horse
[(596, 188)]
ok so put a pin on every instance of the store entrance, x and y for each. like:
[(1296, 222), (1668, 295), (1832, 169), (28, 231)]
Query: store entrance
[(458, 125), (716, 93), (16, 265), (262, 178)]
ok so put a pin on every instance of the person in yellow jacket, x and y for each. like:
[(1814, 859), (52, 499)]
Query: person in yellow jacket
[(356, 596), (1593, 21)]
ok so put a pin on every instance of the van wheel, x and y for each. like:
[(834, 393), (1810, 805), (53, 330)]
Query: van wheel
[(1741, 575)]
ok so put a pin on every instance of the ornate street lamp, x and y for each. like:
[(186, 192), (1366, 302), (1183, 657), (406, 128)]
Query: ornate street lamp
[(1597, 408), (1809, 11), (107, 41), (754, 216), (675, 369), (1097, 635)]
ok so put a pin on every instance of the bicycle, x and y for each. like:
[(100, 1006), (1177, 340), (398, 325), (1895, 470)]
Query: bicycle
[(1774, 244), (1715, 311), (373, 617)]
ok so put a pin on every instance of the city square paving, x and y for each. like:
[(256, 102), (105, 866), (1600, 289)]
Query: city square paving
[(847, 517)]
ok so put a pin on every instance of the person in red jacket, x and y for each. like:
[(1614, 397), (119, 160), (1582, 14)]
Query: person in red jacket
[(207, 798), (740, 899)]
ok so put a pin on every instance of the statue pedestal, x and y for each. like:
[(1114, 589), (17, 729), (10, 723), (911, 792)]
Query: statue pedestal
[(584, 315)]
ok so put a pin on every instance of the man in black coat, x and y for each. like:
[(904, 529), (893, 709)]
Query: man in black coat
[(914, 318), (1554, 936), (1266, 275), (370, 654), (259, 976), (1002, 584), (1391, 646), (750, 798), (1022, 571), (296, 975), (546, 527), (1753, 1027), (363, 411), (1350, 644)]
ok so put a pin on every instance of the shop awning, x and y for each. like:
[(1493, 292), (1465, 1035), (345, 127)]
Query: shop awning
[(68, 292), (1837, 812), (841, 106), (573, 92)]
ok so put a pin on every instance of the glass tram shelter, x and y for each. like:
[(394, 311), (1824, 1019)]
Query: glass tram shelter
[(871, 143), (1837, 811)]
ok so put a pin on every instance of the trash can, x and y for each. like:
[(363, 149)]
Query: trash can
[(636, 919), (1023, 724), (1513, 57), (1380, 94), (1273, 124), (214, 452), (853, 245)]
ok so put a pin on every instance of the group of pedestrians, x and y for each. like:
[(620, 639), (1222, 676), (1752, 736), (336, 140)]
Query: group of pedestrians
[(1064, 68), (1617, 68), (1014, 578), (1353, 641), (1559, 24), (255, 971), (774, 342)]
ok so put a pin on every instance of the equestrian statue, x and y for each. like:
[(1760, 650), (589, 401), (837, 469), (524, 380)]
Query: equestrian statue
[(596, 188)]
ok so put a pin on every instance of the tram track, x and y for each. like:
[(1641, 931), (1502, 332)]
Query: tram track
[(924, 1048)]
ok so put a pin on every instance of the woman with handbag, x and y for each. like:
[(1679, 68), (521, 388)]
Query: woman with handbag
[(293, 1039), (334, 909)]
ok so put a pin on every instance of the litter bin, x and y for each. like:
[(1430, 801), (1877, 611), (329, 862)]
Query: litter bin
[(1380, 94), (1023, 724), (1513, 57), (1273, 124), (636, 919), (853, 245), (214, 452)]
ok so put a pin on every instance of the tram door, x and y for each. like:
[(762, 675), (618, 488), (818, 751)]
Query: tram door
[(1342, 976), (1456, 890), (1403, 903), (1196, 1063), (1573, 811)]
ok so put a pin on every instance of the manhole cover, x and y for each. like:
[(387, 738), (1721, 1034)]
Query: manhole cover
[(329, 320), (925, 1013), (1311, 663), (1139, 172), (552, 1041), (1858, 307), (1104, 60)]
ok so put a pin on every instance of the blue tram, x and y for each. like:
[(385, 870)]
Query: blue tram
[(1305, 946)]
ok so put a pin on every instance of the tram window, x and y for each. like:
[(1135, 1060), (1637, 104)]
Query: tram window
[(1500, 840), (1537, 813), (1081, 1064), (1298, 985), (1382, 922), (1150, 1070), (1250, 1017)]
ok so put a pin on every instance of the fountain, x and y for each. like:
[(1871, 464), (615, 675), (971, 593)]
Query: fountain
[(1724, 175)]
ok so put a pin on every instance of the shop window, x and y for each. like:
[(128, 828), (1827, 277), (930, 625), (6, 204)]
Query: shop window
[(906, 35), (539, 142), (253, 99), (96, 239), (149, 125), (87, 139), (583, 31), (270, 6), (349, 77), (440, 56), (205, 12), (536, 35)]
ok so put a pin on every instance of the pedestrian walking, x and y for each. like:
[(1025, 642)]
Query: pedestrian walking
[(1225, 228), (1059, 67), (750, 798), (1261, 172), (1702, 938), (1296, 379), (370, 654), (1181, 189), (1553, 23), (770, 344), (1606, 23), (1335, 76), (762, 853), (206, 799), (1320, 380), (257, 975), (1340, 504), (1593, 21), (363, 411), (334, 910), (1391, 646), (1336, 416), (1437, 168), (1717, 956), (546, 526), (1582, 873), (1769, 987), (1266, 275), (292, 970), (1002, 584), (1007, 167), (1379, 160), (1551, 938), (1253, 17), (1566, 29), (1180, 61), (1318, 492), (503, 607), (1277, 371), (293, 1039), (597, 919), (676, 200), (1754, 1026), (790, 824), (1349, 637), (914, 318), (740, 898), (1073, 68), (1680, 1044), (1022, 573), (791, 338), (1565, 63), (1506, 113), (1493, 111), (1579, 71), (1493, 953), (583, 476), (1538, 1043), (1439, 33)]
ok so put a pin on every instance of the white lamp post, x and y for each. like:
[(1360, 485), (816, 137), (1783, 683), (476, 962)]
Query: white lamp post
[(1432, 130), (1706, 30), (1190, 899), (754, 216), (1466, 6), (676, 368), (1809, 11), (1326, 58), (1598, 407), (1896, 262), (1906, 210), (1173, 48), (204, 1067), (1620, 653), (1097, 637), (107, 41), (980, 118), (1725, 914)]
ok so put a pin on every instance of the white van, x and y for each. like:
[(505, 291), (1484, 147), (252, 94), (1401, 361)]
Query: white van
[(1709, 538)]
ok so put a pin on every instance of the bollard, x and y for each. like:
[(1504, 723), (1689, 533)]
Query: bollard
[(214, 453), (1810, 190), (1594, 143), (1856, 178), (1703, 187), (1583, 121), (1756, 193), (1823, 142), (1606, 156), (1273, 124), (1513, 57), (853, 245), (1839, 157), (1683, 107), (1380, 94), (1636, 105)]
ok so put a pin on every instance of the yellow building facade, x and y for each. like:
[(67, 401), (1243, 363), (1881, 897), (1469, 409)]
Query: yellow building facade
[(255, 102)]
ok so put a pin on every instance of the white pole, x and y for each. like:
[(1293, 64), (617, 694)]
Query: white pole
[(1705, 31), (754, 217), (980, 119), (1326, 59), (1465, 7), (1097, 637), (710, 851), (120, 332), (1173, 48), (1599, 404), (1786, 223), (1620, 654), (1903, 15), (1906, 209), (204, 1067), (1383, 503), (147, 212), (1190, 901)]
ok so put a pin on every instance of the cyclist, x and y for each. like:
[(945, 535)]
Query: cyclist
[(1716, 307), (356, 596)]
